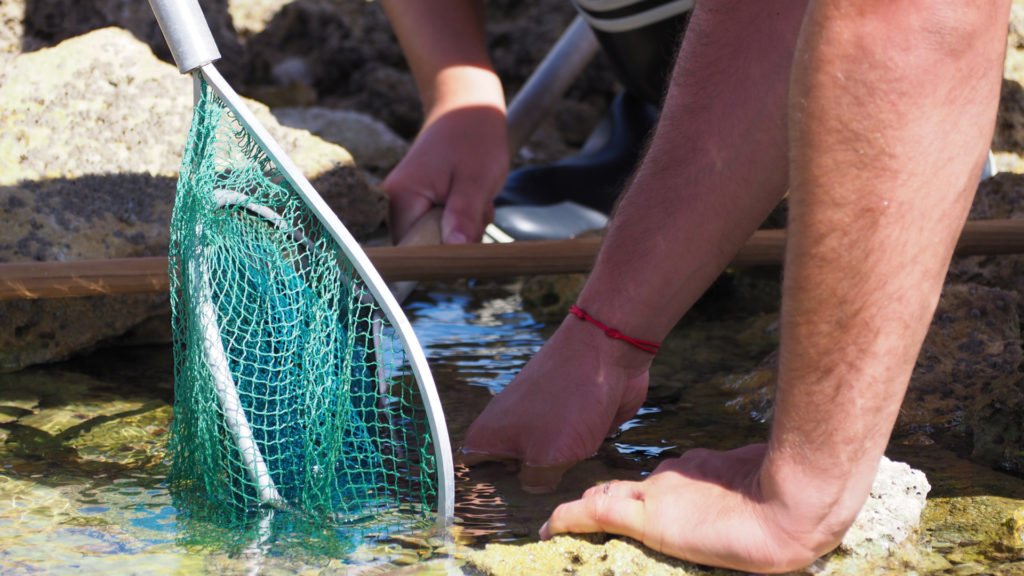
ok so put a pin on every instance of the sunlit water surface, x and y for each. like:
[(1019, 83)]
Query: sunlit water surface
[(82, 477)]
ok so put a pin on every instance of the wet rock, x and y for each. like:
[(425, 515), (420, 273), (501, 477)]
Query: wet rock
[(85, 175), (881, 533), (976, 529), (59, 401), (135, 440), (1014, 535), (36, 332), (374, 146), (585, 556), (974, 340), (74, 421), (548, 298), (753, 393), (153, 330), (998, 425), (19, 498)]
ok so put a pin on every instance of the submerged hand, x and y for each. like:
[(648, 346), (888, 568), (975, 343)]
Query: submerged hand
[(459, 161), (706, 507), (579, 388)]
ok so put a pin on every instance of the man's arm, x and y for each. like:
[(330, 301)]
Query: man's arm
[(891, 112), (460, 158), (715, 168)]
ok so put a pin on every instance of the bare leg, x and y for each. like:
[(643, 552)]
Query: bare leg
[(716, 167)]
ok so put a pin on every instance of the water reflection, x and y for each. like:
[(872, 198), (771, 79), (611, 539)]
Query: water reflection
[(83, 478)]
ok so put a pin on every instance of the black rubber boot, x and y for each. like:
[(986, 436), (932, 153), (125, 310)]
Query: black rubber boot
[(642, 58), (595, 176)]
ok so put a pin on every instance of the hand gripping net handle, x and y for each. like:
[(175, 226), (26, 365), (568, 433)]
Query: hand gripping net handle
[(192, 45)]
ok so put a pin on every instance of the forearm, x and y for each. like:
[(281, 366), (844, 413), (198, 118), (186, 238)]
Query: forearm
[(715, 168), (443, 41), (892, 108)]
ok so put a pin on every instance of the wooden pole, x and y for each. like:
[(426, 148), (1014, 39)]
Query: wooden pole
[(441, 262)]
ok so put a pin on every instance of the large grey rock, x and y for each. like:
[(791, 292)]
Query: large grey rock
[(373, 145), (88, 158), (44, 23)]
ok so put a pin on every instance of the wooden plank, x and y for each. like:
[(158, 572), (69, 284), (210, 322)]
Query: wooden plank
[(430, 262)]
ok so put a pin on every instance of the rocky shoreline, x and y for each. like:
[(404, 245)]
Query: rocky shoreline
[(89, 154)]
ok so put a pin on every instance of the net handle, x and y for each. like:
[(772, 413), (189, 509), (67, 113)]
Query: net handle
[(227, 394), (362, 265), (187, 34)]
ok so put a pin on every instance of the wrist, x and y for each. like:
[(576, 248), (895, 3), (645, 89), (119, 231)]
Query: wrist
[(610, 351), (462, 86), (807, 509)]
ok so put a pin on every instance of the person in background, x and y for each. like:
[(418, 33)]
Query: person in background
[(876, 116), (460, 158)]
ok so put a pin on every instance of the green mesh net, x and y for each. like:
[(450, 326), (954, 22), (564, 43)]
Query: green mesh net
[(292, 390)]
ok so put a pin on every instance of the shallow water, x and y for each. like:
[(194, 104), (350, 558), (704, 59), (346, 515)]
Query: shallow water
[(82, 478)]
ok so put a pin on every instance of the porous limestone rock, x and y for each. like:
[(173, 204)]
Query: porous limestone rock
[(974, 340), (374, 146), (107, 106), (891, 513), (44, 23), (584, 556), (88, 159), (548, 297), (879, 536), (252, 16), (12, 16)]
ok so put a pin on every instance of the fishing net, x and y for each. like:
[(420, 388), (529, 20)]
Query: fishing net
[(292, 389)]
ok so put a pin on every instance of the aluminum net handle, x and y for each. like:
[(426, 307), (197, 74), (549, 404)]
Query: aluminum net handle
[(186, 32)]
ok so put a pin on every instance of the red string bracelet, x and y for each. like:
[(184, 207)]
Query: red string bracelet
[(645, 345)]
